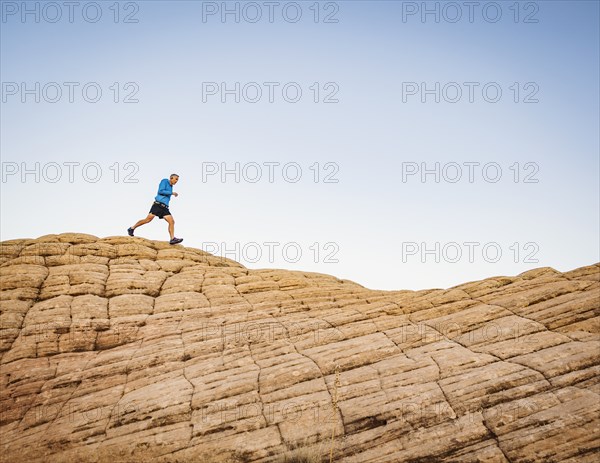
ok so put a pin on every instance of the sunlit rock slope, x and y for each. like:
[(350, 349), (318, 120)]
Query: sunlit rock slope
[(128, 350)]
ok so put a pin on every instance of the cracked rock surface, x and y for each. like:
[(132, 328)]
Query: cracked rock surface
[(129, 350)]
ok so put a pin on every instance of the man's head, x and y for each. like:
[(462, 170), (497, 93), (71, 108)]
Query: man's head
[(173, 179)]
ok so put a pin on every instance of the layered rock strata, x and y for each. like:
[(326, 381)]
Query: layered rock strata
[(127, 350)]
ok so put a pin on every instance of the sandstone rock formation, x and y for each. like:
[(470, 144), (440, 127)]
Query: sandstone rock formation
[(129, 350)]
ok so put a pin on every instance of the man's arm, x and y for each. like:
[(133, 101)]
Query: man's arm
[(162, 188)]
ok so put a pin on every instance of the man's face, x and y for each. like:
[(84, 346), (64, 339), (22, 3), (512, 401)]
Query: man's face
[(173, 180)]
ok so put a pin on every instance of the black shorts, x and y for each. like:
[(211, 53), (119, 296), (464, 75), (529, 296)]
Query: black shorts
[(159, 210)]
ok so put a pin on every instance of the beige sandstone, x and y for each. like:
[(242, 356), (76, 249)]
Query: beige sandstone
[(128, 350)]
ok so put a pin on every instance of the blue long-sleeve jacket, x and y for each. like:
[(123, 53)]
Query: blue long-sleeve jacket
[(165, 190)]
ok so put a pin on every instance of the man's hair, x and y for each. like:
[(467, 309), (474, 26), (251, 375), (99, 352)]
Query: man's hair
[(173, 175)]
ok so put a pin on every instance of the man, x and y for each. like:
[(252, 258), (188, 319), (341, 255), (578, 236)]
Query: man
[(160, 208)]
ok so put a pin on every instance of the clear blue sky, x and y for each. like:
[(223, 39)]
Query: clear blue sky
[(378, 59)]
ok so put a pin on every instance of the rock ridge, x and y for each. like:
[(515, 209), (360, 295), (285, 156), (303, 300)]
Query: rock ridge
[(124, 349)]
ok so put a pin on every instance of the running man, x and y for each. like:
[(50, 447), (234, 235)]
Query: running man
[(160, 208)]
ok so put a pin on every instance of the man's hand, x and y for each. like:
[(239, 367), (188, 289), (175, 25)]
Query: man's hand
[(175, 194)]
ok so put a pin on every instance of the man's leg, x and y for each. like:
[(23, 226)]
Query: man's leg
[(139, 223), (171, 222)]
